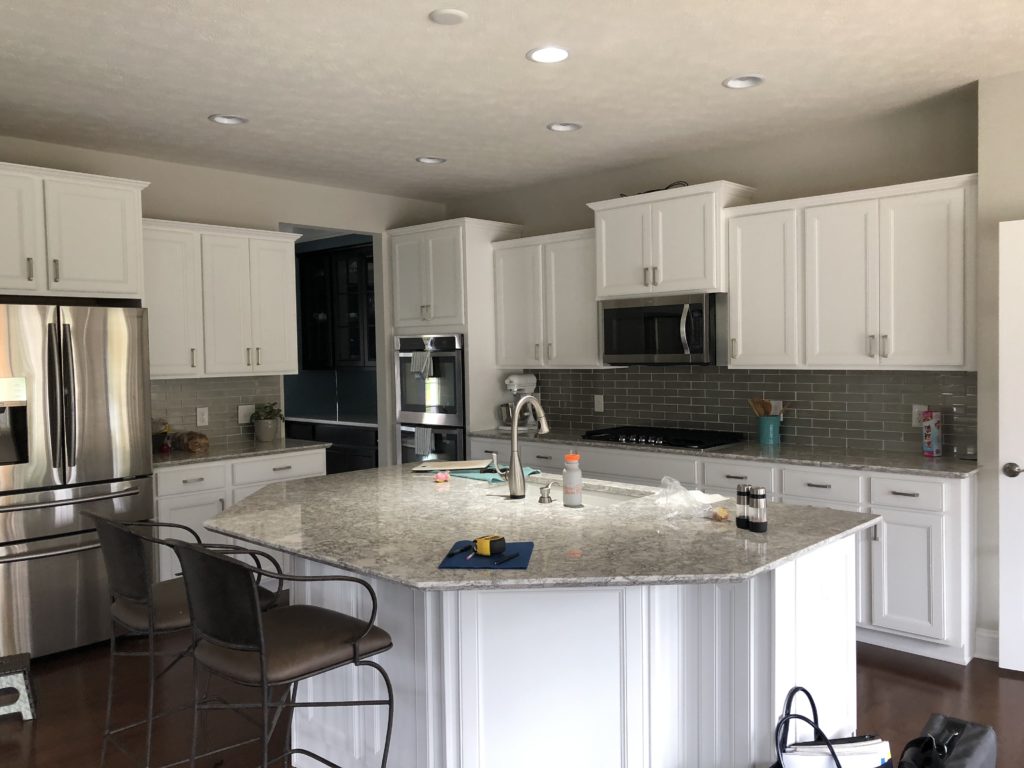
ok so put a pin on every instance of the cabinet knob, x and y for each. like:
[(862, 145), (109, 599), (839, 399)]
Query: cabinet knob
[(1012, 469)]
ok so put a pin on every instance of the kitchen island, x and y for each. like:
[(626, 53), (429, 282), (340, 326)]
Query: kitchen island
[(635, 637)]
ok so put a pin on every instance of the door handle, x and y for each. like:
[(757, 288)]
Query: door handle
[(1011, 469), (654, 274), (732, 348), (133, 491), (736, 477), (192, 355), (647, 279), (56, 270), (259, 355), (71, 402), (536, 351), (541, 456), (885, 345), (193, 480), (874, 533), (248, 355), (683, 317), (54, 553), (551, 351), (56, 405), (915, 494), (282, 468), (31, 269), (871, 345), (826, 486)]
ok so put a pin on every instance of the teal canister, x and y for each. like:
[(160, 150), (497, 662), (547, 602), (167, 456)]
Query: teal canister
[(768, 430)]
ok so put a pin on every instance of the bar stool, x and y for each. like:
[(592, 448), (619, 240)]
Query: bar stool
[(140, 608), (280, 647)]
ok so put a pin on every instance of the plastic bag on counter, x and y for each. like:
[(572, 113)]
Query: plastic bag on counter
[(682, 502)]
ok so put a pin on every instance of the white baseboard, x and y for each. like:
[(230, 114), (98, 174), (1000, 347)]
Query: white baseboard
[(986, 644)]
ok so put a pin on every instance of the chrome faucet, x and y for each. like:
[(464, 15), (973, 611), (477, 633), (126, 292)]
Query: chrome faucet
[(516, 478)]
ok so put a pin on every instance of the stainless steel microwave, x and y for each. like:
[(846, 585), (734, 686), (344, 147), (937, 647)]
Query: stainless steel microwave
[(659, 330)]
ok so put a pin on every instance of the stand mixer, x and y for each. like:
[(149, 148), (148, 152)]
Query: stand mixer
[(520, 385)]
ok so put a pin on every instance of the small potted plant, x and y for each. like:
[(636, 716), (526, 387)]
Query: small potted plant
[(265, 418)]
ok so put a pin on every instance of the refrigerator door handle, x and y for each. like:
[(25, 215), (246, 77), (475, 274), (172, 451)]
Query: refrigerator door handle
[(72, 501), (70, 404), (49, 553), (53, 392)]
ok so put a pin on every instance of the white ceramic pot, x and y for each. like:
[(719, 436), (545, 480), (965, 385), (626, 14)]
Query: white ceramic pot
[(266, 430)]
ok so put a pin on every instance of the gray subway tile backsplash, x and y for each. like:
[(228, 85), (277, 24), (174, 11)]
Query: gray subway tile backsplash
[(853, 410), (177, 399)]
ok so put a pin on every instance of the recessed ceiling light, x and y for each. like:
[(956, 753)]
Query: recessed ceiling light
[(427, 160), (548, 55), (564, 127), (448, 16), (743, 81), (228, 119)]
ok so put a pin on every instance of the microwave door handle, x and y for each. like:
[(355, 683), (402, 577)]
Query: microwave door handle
[(683, 330)]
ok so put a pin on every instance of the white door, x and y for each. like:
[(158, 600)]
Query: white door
[(921, 281), (623, 251), (841, 284), (227, 315), (445, 294), (174, 297), (93, 238), (192, 509), (517, 306), (408, 265), (684, 249), (764, 327), (22, 237), (274, 331), (907, 573), (1011, 446), (570, 304)]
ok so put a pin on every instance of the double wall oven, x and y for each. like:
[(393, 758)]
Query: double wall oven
[(430, 397)]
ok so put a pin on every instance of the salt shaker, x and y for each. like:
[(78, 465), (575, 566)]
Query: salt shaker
[(758, 510)]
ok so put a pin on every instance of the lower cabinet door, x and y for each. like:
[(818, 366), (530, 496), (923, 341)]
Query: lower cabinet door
[(192, 509), (907, 573)]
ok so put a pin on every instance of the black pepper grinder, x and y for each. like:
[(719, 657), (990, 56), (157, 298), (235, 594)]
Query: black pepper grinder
[(742, 501), (758, 510)]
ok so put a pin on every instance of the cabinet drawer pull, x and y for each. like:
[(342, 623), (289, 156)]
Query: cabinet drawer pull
[(819, 485), (282, 468), (192, 355), (31, 270), (56, 270), (647, 277), (736, 477), (193, 480), (654, 274), (543, 457), (908, 494)]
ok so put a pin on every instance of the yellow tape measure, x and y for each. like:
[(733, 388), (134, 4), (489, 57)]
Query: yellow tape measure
[(486, 546)]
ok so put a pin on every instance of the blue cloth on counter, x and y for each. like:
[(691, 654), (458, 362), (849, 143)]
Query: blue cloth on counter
[(522, 550), (489, 477)]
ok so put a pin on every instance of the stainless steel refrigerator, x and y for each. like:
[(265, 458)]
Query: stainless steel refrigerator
[(74, 435)]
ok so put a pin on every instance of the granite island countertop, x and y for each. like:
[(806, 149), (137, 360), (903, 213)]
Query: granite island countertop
[(824, 458), (249, 450), (396, 525)]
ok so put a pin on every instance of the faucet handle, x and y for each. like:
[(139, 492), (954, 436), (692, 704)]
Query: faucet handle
[(494, 466)]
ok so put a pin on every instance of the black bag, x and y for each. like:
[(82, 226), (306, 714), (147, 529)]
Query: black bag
[(947, 742)]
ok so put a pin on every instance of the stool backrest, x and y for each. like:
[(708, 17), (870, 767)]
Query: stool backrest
[(126, 560), (222, 597)]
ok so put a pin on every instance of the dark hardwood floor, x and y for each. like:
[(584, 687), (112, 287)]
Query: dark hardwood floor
[(897, 692)]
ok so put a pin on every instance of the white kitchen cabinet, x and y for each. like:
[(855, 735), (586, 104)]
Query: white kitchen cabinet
[(921, 279), (69, 233), (546, 312), (227, 304), (272, 286), (429, 277), (907, 578), (764, 290), (174, 297), (193, 510), (22, 234), (663, 242), (841, 283)]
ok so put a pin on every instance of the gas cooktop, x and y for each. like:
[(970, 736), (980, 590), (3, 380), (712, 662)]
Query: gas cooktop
[(697, 439)]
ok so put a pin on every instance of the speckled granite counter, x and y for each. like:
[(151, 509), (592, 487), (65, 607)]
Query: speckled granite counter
[(864, 461), (396, 525), (244, 451)]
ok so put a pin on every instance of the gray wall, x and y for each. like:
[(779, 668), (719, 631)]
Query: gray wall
[(177, 399), (933, 139), (848, 410)]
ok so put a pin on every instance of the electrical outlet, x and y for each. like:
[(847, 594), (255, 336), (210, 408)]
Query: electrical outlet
[(915, 414), (598, 403), (245, 413), (202, 417)]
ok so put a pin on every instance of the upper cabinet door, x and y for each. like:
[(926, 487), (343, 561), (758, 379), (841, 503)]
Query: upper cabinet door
[(623, 251), (841, 284), (517, 306), (764, 328), (93, 238), (922, 279), (445, 280), (409, 268), (570, 304), (227, 312), (272, 280), (684, 256), (174, 297), (22, 237)]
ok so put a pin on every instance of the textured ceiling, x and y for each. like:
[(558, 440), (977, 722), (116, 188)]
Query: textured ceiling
[(348, 92)]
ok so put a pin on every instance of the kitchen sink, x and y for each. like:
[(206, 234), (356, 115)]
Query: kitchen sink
[(594, 495)]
